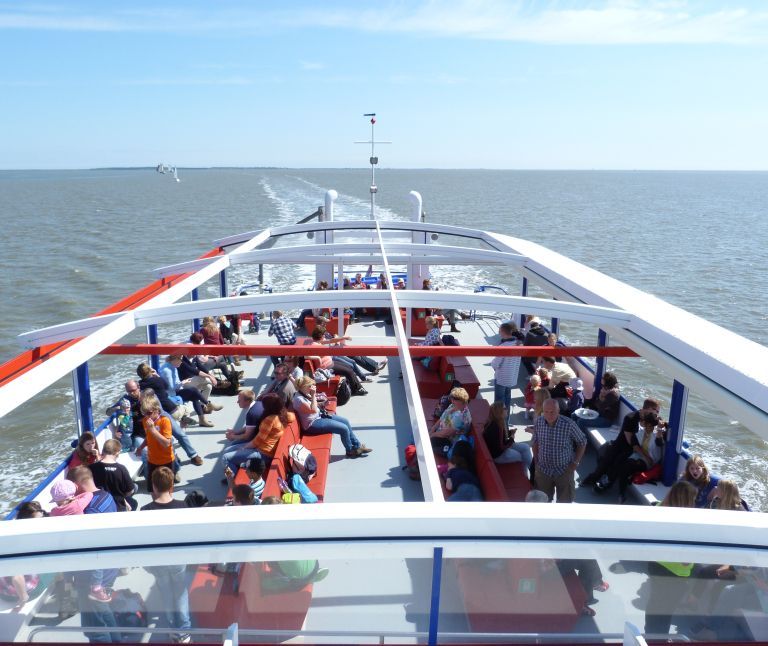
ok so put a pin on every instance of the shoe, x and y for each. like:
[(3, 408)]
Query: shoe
[(353, 454), (320, 575), (588, 481), (364, 449), (205, 423), (186, 638), (382, 365), (99, 594), (360, 391), (240, 374), (586, 611), (176, 479), (237, 361), (248, 357), (366, 380), (197, 461), (454, 329), (188, 421), (214, 407)]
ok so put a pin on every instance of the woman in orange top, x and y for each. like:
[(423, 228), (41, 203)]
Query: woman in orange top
[(159, 438), (271, 427)]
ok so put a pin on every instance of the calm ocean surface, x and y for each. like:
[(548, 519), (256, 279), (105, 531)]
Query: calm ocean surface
[(76, 241)]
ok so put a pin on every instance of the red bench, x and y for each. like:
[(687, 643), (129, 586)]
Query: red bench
[(437, 380), (328, 387), (332, 326), (419, 321)]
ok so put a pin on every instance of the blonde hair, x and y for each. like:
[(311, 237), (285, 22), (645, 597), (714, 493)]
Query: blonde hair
[(430, 321), (460, 394), (540, 395), (247, 393), (301, 382), (703, 479), (727, 496), (150, 404), (535, 381), (680, 494)]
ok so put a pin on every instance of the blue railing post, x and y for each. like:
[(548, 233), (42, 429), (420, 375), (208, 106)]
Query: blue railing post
[(195, 322), (434, 608), (81, 387), (677, 413), (223, 283), (523, 292), (555, 325), (154, 360), (602, 341)]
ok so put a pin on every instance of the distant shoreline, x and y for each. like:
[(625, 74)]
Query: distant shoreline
[(366, 170)]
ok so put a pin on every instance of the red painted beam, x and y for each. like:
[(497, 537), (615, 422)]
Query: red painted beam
[(374, 350)]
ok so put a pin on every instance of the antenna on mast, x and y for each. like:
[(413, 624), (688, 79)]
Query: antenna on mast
[(373, 160)]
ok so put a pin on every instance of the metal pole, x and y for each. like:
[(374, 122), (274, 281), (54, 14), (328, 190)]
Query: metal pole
[(195, 322), (434, 610), (81, 389), (677, 412), (154, 360), (523, 292), (602, 341)]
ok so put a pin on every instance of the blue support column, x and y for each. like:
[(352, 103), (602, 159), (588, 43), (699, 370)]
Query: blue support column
[(434, 609), (677, 413), (223, 283), (602, 341), (154, 360), (195, 322), (83, 408), (523, 292), (555, 325)]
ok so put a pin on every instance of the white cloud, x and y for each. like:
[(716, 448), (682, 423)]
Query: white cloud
[(311, 66)]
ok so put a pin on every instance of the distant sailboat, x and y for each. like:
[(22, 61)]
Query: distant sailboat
[(176, 174)]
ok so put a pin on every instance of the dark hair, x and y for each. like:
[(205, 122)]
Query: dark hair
[(549, 360), (242, 494), (460, 461), (609, 380), (86, 458), (272, 500), (196, 498), (318, 333), (29, 509), (651, 403), (274, 404), (256, 466), (162, 480), (649, 417), (508, 328), (144, 370), (196, 338)]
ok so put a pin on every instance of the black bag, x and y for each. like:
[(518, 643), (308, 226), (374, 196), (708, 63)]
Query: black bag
[(449, 339), (344, 393), (226, 386)]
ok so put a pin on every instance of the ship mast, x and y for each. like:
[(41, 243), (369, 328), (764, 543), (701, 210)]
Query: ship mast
[(373, 161)]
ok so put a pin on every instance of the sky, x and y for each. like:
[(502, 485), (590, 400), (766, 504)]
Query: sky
[(551, 84)]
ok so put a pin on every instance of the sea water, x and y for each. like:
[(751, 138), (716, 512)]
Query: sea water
[(76, 241)]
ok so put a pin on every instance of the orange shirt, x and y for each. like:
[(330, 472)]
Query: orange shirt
[(157, 453), (270, 432)]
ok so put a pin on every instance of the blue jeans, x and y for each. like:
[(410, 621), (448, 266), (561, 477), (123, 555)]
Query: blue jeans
[(172, 583), (517, 452), (352, 365), (338, 425), (234, 456), (466, 493), (503, 394), (181, 436), (95, 614)]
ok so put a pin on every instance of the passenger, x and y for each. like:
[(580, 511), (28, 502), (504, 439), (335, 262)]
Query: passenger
[(229, 328), (668, 582), (68, 501), (697, 473), (242, 495), (254, 469), (306, 408), (576, 400), (214, 362), (212, 334), (560, 375), (282, 328), (500, 439), (102, 501), (726, 496), (530, 321), (333, 363), (455, 421), (148, 378), (21, 588), (122, 426), (113, 477), (271, 427), (607, 405), (354, 362), (558, 447), (86, 452), (506, 369), (540, 395), (246, 400), (621, 448), (534, 382), (171, 580), (159, 438), (461, 482), (399, 283), (536, 335), (192, 373), (433, 332), (647, 453), (133, 395), (295, 371), (169, 371)]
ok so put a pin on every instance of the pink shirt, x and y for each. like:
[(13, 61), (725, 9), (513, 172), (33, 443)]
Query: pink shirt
[(74, 508)]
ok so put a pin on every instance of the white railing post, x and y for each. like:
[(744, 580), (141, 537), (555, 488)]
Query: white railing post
[(325, 272), (231, 637), (633, 636)]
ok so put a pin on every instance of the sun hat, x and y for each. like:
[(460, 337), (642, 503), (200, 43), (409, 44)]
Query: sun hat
[(62, 490)]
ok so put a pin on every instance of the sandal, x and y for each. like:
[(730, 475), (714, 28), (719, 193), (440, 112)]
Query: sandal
[(602, 586), (586, 611)]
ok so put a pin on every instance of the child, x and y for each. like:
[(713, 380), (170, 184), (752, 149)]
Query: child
[(533, 383), (254, 468), (113, 477), (123, 426), (68, 503), (242, 495), (461, 482), (159, 438)]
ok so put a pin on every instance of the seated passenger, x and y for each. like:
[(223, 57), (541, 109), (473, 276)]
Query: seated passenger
[(576, 399), (209, 362), (171, 404), (68, 501), (500, 439), (274, 420), (86, 451), (229, 328), (333, 363), (560, 375), (354, 362), (697, 473), (242, 496), (169, 371), (21, 588), (726, 496), (461, 482), (246, 400), (607, 405), (254, 469), (306, 408), (455, 421), (433, 332)]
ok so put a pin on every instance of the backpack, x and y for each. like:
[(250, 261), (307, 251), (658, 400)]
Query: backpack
[(449, 339), (344, 393), (303, 463), (226, 387), (412, 462)]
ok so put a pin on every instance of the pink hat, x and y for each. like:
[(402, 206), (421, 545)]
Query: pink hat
[(62, 490)]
